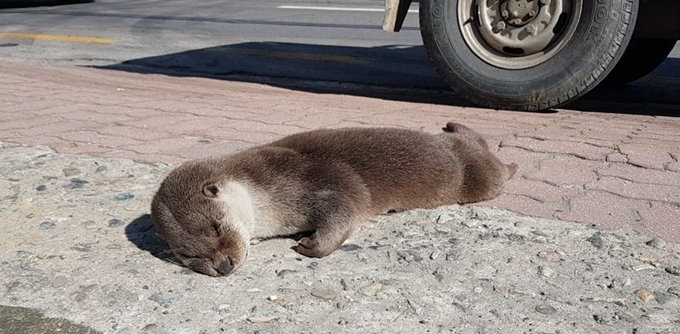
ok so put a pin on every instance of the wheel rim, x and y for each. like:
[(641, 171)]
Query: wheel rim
[(517, 34)]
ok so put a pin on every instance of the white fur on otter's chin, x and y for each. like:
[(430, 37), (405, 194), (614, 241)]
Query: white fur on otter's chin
[(246, 212)]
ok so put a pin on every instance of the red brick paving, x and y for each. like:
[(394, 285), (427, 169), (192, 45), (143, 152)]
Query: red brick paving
[(605, 169)]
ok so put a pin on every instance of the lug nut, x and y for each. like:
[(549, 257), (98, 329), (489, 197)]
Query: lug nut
[(500, 25), (532, 13), (505, 14), (517, 21), (531, 29)]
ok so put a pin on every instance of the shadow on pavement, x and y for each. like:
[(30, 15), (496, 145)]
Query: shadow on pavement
[(142, 233), (392, 72), (4, 4)]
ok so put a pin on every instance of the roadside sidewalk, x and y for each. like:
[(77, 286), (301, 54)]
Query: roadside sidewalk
[(605, 169)]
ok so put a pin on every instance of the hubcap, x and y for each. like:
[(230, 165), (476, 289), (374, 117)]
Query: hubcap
[(516, 34)]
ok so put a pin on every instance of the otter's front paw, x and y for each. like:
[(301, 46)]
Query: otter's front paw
[(311, 247)]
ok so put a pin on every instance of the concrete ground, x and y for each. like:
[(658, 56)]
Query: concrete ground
[(605, 169)]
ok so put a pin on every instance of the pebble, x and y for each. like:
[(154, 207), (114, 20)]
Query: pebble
[(371, 289), (656, 243), (59, 281), (285, 272), (470, 223), (673, 270), (453, 255), (549, 256), (325, 293), (47, 225), (260, 319), (70, 171), (546, 271), (619, 283), (410, 256), (415, 307), (624, 316), (342, 304), (350, 247), (661, 297), (76, 184), (545, 309), (478, 290), (596, 240), (124, 196), (116, 223), (344, 284), (645, 295), (41, 187), (285, 303), (674, 290)]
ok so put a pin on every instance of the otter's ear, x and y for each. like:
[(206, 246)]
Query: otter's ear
[(211, 190)]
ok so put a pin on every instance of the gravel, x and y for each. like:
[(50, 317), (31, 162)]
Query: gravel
[(80, 250)]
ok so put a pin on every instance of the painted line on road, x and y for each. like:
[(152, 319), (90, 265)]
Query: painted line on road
[(295, 55), (57, 38), (340, 9)]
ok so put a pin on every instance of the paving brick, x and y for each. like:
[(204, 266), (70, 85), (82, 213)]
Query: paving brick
[(129, 111), (617, 157), (88, 115), (541, 191), (133, 132), (646, 155), (26, 123), (662, 220), (159, 122), (78, 148), (227, 111), (95, 138), (528, 162), (253, 137), (641, 175), (567, 171), (248, 125), (57, 127), (208, 150), (171, 119), (143, 158), (520, 204), (162, 146), (643, 191), (604, 210), (31, 106), (581, 150)]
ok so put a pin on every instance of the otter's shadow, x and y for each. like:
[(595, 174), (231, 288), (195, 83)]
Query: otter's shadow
[(142, 233)]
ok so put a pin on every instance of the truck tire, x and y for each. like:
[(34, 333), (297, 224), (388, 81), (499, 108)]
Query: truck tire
[(525, 54), (642, 56)]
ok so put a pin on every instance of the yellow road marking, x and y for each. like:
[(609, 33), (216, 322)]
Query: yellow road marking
[(295, 55), (57, 38)]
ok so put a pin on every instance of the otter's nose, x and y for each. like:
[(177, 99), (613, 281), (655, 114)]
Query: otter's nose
[(225, 267)]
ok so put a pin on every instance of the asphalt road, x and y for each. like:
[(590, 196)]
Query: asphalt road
[(276, 41)]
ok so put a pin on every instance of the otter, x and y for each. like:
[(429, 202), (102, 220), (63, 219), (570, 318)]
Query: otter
[(323, 182)]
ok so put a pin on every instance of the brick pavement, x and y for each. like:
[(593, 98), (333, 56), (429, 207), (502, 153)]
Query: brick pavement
[(604, 169)]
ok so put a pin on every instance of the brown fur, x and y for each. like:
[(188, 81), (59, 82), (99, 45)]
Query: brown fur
[(323, 181)]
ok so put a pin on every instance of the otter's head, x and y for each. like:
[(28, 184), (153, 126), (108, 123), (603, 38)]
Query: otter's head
[(203, 218)]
